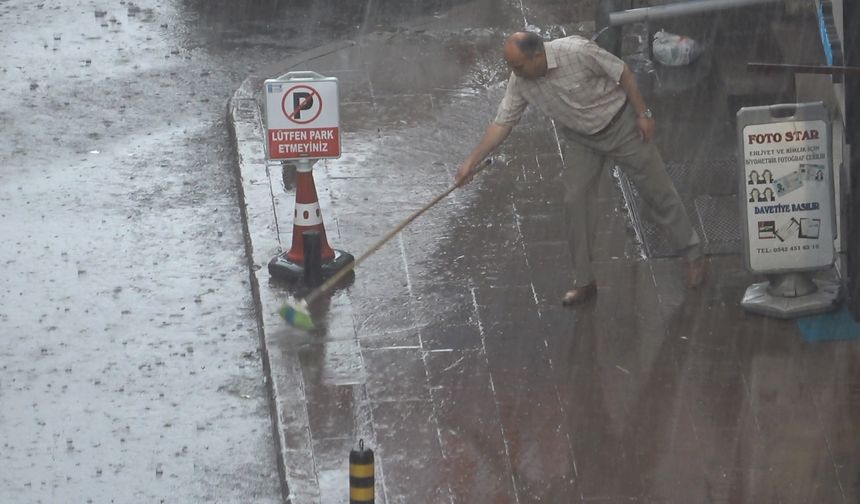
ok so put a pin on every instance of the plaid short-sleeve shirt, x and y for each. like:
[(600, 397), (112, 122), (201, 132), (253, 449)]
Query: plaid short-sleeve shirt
[(580, 89)]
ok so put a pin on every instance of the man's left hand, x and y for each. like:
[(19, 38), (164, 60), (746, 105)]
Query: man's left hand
[(646, 128)]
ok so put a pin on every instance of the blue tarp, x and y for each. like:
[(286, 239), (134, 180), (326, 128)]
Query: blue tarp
[(833, 326)]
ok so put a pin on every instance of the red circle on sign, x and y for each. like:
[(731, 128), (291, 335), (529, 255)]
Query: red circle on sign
[(289, 115)]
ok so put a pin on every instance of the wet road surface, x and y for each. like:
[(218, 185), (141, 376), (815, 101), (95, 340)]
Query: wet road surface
[(130, 362), (449, 353)]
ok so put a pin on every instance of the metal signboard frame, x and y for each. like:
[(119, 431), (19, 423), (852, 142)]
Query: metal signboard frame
[(302, 117)]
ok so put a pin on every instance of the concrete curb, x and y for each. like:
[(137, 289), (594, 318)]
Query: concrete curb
[(260, 231)]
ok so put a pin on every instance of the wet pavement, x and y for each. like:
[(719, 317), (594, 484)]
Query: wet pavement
[(449, 353)]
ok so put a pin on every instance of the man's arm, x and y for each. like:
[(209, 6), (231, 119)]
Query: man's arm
[(493, 137), (628, 84)]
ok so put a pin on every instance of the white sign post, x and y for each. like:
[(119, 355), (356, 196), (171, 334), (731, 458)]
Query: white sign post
[(302, 117), (787, 205)]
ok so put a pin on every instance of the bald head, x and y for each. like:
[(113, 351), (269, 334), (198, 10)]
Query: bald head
[(528, 43), (525, 54)]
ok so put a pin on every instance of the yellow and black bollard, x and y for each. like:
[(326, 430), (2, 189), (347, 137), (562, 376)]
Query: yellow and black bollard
[(361, 479)]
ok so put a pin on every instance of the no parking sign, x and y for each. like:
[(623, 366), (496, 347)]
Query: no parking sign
[(302, 117)]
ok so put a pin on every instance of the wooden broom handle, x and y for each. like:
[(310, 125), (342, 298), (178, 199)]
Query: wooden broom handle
[(328, 284)]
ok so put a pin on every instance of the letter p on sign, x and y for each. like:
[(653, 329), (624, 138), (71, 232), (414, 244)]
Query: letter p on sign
[(302, 100)]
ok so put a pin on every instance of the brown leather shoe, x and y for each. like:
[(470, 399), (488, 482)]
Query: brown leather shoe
[(696, 272), (579, 295)]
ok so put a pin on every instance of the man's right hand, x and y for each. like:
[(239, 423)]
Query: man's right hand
[(493, 137), (464, 174)]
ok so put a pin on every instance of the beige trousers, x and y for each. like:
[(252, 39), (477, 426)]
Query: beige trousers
[(585, 157)]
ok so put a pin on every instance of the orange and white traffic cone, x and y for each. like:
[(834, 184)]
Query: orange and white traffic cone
[(307, 217)]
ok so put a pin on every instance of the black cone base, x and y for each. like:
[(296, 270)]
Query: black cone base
[(283, 269)]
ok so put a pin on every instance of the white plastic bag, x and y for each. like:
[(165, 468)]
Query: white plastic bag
[(674, 50)]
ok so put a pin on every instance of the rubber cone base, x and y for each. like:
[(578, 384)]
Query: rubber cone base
[(283, 269)]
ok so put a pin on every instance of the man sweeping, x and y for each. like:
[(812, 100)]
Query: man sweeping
[(593, 98)]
